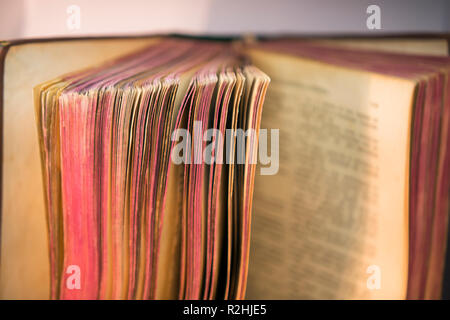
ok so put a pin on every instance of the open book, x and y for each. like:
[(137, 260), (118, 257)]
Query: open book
[(174, 168)]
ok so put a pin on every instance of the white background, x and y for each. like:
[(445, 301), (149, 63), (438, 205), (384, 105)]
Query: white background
[(45, 18)]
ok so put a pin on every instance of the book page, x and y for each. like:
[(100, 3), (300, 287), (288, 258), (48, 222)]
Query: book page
[(432, 47), (24, 271), (333, 222)]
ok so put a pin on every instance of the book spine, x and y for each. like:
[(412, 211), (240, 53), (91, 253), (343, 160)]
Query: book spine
[(4, 46)]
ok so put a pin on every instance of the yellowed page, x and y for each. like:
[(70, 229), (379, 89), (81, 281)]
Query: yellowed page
[(168, 277), (24, 264), (337, 207), (434, 47)]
